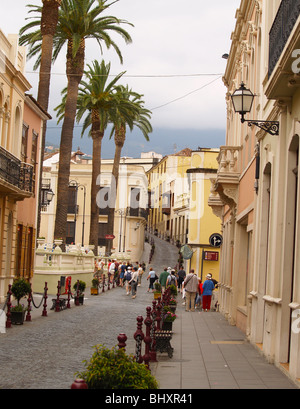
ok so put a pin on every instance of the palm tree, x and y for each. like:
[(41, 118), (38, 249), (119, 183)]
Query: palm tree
[(95, 100), (78, 21), (129, 112), (49, 20)]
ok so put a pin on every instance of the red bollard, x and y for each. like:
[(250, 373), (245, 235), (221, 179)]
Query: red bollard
[(69, 295), (147, 339), (139, 337), (8, 321), (152, 350), (44, 313), (28, 315), (79, 384), (57, 306), (158, 315), (122, 338)]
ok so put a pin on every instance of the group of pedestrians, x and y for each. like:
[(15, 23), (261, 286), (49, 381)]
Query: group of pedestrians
[(131, 277), (194, 292), (197, 293)]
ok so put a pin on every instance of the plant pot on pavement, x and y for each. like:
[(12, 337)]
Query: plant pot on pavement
[(17, 317)]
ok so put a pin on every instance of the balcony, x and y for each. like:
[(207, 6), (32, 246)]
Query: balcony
[(16, 177), (282, 27), (227, 181), (284, 38), (137, 212)]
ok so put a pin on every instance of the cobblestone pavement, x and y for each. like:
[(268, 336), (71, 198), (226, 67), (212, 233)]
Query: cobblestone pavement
[(46, 352)]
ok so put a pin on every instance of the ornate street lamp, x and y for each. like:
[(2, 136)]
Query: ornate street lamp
[(46, 194), (242, 100), (49, 195)]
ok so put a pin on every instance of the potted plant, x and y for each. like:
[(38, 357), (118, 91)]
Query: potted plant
[(94, 287), (157, 290), (172, 304), (20, 288), (114, 369), (79, 286), (173, 290), (168, 319)]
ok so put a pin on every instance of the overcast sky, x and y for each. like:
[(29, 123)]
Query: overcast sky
[(174, 44)]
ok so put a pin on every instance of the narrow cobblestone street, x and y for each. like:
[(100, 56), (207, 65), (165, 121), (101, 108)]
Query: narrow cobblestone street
[(208, 353), (46, 352)]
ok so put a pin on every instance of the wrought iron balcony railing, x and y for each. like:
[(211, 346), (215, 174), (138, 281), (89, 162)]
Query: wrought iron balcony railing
[(285, 20), (137, 212), (15, 172)]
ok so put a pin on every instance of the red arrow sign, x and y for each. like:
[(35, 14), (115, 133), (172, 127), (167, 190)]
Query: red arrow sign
[(109, 236)]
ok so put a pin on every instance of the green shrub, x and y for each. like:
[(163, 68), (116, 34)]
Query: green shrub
[(157, 286), (173, 290), (114, 369), (81, 286), (20, 288)]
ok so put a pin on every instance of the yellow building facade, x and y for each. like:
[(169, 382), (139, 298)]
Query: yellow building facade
[(179, 187), (204, 226)]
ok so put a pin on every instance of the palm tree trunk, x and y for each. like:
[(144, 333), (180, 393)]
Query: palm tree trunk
[(75, 66), (97, 136), (48, 26), (119, 142)]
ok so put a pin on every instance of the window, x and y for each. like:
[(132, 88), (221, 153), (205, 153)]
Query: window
[(102, 231), (24, 143), (70, 233), (34, 153), (34, 148), (72, 201), (103, 198)]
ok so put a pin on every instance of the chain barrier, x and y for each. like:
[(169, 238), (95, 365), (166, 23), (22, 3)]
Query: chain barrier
[(59, 303)]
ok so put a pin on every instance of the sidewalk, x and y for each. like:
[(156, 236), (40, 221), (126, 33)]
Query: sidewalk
[(209, 353)]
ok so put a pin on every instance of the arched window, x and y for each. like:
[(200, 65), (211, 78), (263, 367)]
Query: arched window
[(17, 132)]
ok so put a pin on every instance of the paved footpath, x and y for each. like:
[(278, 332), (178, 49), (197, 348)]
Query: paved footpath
[(208, 353)]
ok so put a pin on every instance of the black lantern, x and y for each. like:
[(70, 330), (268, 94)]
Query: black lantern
[(49, 195), (242, 100)]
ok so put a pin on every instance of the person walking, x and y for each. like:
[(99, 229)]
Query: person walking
[(140, 274), (163, 279), (127, 278), (199, 294), (122, 273), (191, 288), (151, 277), (111, 270), (134, 282), (171, 280), (208, 287), (181, 276)]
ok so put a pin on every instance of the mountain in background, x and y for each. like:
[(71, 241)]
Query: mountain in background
[(162, 141)]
